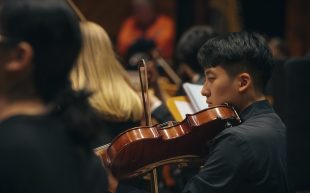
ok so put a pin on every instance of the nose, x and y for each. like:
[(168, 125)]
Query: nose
[(205, 91)]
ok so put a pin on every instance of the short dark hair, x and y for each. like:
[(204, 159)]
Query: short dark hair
[(189, 44), (239, 52)]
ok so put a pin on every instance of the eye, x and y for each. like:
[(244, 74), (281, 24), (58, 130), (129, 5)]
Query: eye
[(211, 78)]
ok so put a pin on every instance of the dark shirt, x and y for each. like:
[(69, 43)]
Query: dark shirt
[(296, 118), (162, 114), (38, 155), (111, 129), (276, 87), (249, 158)]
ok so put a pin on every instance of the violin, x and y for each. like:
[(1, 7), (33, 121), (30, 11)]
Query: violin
[(141, 149)]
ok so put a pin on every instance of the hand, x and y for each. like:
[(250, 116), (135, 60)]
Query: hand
[(185, 70), (152, 73), (154, 101), (112, 181)]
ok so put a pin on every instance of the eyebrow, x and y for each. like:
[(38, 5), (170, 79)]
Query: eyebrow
[(208, 72)]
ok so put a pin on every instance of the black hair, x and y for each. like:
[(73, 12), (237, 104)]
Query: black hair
[(189, 44), (142, 48), (239, 52), (53, 31)]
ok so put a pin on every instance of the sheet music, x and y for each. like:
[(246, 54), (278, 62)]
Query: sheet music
[(193, 92), (184, 108)]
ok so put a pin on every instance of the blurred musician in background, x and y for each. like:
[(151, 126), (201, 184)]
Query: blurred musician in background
[(99, 71), (114, 97), (275, 89), (147, 25), (186, 53), (295, 99)]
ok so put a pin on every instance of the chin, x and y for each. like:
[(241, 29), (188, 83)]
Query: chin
[(210, 105)]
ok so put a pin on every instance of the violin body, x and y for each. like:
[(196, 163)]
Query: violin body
[(141, 149)]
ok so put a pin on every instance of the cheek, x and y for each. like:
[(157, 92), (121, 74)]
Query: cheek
[(224, 92), (222, 86)]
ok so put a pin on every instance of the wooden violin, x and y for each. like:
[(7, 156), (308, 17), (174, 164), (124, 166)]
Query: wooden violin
[(141, 149)]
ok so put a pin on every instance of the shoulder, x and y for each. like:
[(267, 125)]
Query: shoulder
[(265, 124), (230, 140), (17, 127), (21, 146), (257, 127), (230, 136), (294, 69), (27, 126), (255, 135), (228, 152), (30, 134), (251, 133), (298, 60)]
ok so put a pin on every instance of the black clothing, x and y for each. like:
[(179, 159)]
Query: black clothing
[(38, 155), (115, 128), (297, 121), (276, 87), (248, 158), (288, 86), (111, 129), (162, 114)]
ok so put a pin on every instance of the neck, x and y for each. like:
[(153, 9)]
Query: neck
[(250, 99), (9, 108)]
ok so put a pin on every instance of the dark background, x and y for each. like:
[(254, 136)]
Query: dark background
[(288, 19)]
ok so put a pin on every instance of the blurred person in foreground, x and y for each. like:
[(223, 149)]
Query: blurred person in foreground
[(46, 128)]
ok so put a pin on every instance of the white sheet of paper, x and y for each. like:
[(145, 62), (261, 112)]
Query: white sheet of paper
[(193, 92), (184, 108)]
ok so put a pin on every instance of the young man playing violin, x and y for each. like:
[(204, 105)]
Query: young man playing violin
[(250, 157)]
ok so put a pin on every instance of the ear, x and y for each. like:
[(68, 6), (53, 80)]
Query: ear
[(244, 81), (20, 58)]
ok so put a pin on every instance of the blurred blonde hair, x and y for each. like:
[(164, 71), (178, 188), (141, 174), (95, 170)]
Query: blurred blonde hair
[(99, 71)]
